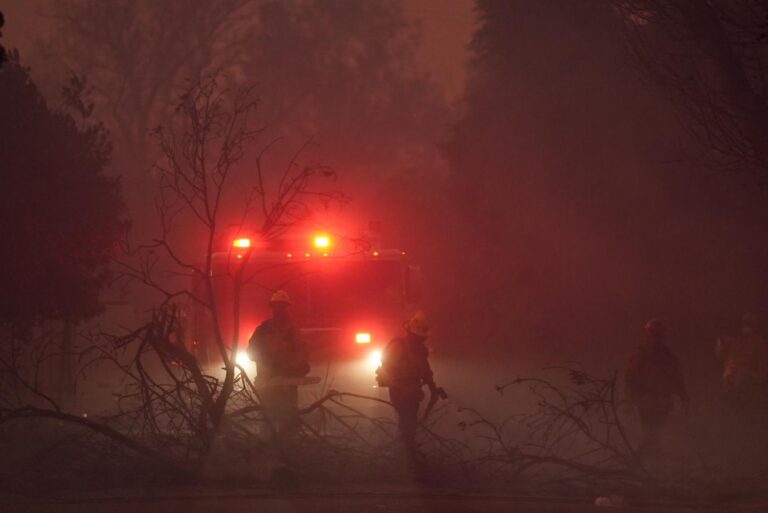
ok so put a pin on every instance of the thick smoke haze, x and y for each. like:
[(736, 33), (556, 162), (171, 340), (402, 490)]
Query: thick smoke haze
[(546, 186), (584, 199), (221, 212)]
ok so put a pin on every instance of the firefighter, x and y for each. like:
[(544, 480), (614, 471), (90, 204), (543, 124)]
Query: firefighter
[(278, 350), (405, 369), (745, 368), (653, 377)]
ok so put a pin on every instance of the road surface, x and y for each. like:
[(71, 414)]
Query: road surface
[(252, 502)]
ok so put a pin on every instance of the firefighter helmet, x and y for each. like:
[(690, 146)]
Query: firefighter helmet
[(418, 324), (280, 297), (656, 327)]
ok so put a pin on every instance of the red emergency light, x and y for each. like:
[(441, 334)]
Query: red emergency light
[(363, 338), (322, 241), (241, 243)]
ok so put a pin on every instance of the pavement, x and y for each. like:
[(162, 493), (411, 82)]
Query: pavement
[(188, 501)]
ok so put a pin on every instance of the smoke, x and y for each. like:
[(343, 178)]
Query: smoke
[(582, 213)]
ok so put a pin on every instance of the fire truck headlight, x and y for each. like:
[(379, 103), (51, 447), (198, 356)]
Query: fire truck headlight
[(243, 360), (374, 359)]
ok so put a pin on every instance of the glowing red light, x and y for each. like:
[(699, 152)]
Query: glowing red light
[(363, 338), (241, 243), (375, 253), (289, 255)]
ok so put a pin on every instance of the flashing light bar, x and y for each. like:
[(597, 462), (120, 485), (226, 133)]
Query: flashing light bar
[(322, 241), (363, 338), (241, 243)]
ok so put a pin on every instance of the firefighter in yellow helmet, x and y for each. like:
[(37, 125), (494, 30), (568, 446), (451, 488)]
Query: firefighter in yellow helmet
[(745, 366), (405, 370), (278, 350), (652, 378)]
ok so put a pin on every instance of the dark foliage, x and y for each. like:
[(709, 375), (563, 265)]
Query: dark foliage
[(542, 166), (60, 216), (710, 58), (577, 196), (2, 48)]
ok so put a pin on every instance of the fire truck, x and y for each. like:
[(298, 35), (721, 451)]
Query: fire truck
[(350, 297)]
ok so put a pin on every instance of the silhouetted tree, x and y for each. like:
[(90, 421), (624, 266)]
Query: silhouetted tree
[(136, 53), (344, 72), (576, 191), (171, 407), (341, 72), (61, 217), (2, 48), (711, 57), (202, 184), (538, 157)]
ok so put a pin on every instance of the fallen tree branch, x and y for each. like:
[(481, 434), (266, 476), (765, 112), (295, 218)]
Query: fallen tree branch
[(29, 412)]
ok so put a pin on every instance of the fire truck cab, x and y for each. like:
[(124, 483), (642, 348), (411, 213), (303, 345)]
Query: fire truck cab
[(349, 298)]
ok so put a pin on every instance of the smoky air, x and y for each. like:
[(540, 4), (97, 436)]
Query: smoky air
[(406, 255)]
